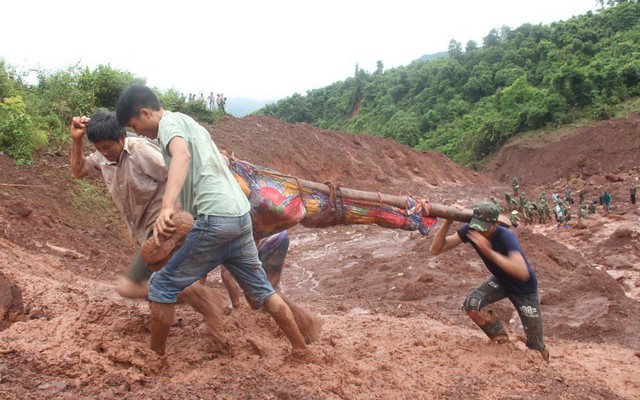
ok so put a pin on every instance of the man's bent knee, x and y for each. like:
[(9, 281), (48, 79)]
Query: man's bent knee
[(471, 303)]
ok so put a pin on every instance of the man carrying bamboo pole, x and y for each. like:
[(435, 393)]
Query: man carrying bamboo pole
[(513, 277), (222, 233), (135, 176)]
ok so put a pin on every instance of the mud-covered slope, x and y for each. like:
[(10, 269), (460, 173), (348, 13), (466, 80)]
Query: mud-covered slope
[(602, 148), (393, 323), (358, 161)]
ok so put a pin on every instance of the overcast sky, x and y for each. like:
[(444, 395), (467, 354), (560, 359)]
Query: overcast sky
[(261, 49)]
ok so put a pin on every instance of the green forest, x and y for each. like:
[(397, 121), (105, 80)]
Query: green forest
[(36, 116), (470, 102), (465, 103)]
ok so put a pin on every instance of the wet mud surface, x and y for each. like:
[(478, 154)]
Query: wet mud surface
[(393, 324)]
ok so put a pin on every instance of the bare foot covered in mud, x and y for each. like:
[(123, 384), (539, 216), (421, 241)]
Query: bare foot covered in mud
[(501, 339), (218, 344), (306, 356), (310, 324), (155, 364), (545, 355), (209, 303)]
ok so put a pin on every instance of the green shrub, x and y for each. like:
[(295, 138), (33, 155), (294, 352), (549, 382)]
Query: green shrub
[(602, 113), (8, 81), (106, 84), (19, 136), (62, 94)]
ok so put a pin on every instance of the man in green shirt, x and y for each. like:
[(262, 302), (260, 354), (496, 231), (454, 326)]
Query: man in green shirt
[(135, 176), (222, 232)]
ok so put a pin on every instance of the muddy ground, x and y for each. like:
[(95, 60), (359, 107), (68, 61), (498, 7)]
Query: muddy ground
[(393, 324)]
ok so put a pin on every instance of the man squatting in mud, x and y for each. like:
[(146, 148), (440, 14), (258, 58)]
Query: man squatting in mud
[(135, 175), (513, 277), (222, 232)]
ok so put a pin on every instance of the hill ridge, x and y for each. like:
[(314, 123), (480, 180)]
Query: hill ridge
[(359, 161), (600, 148)]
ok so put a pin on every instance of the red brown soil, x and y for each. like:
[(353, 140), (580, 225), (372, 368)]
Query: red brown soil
[(357, 161), (393, 324), (599, 149)]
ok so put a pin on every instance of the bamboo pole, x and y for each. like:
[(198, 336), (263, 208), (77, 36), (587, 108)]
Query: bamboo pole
[(436, 210)]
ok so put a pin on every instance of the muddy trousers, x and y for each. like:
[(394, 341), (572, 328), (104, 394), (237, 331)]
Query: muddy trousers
[(527, 306)]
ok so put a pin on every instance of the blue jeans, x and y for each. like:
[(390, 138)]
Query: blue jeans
[(213, 241)]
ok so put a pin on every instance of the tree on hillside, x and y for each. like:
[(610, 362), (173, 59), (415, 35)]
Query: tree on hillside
[(471, 46), (479, 84), (612, 3), (455, 49), (379, 67), (492, 39), (469, 103), (106, 83), (404, 127)]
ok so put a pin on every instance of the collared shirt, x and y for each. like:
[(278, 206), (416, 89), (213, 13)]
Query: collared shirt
[(210, 188), (136, 183)]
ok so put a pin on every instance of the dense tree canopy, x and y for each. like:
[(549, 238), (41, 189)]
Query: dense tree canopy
[(33, 116), (468, 104), (465, 103)]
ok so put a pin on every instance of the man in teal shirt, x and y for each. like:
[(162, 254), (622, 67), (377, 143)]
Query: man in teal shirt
[(201, 182)]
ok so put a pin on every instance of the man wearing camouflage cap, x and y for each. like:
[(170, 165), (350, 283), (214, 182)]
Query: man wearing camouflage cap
[(512, 276)]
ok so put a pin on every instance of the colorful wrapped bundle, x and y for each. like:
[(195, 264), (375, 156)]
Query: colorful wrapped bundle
[(335, 209), (275, 198), (279, 202)]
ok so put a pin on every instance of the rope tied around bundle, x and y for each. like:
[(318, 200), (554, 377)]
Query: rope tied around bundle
[(332, 205)]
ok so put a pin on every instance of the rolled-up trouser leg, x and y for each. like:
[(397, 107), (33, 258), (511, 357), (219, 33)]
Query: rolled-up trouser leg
[(486, 293), (493, 329), (272, 252)]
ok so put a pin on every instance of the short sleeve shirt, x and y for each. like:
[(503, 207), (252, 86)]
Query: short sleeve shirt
[(504, 241), (210, 188), (136, 183)]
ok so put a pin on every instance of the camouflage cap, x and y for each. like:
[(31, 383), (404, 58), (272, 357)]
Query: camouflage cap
[(484, 216)]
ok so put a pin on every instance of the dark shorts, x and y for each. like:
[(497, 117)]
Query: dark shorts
[(138, 270), (527, 306), (272, 252)]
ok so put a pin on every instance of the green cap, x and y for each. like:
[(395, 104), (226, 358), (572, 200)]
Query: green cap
[(484, 216)]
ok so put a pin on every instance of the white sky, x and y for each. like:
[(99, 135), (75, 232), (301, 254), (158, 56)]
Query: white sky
[(261, 49)]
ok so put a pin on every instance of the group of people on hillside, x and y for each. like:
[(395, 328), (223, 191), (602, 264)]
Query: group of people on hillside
[(212, 102), (517, 203), (531, 210), (175, 165)]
